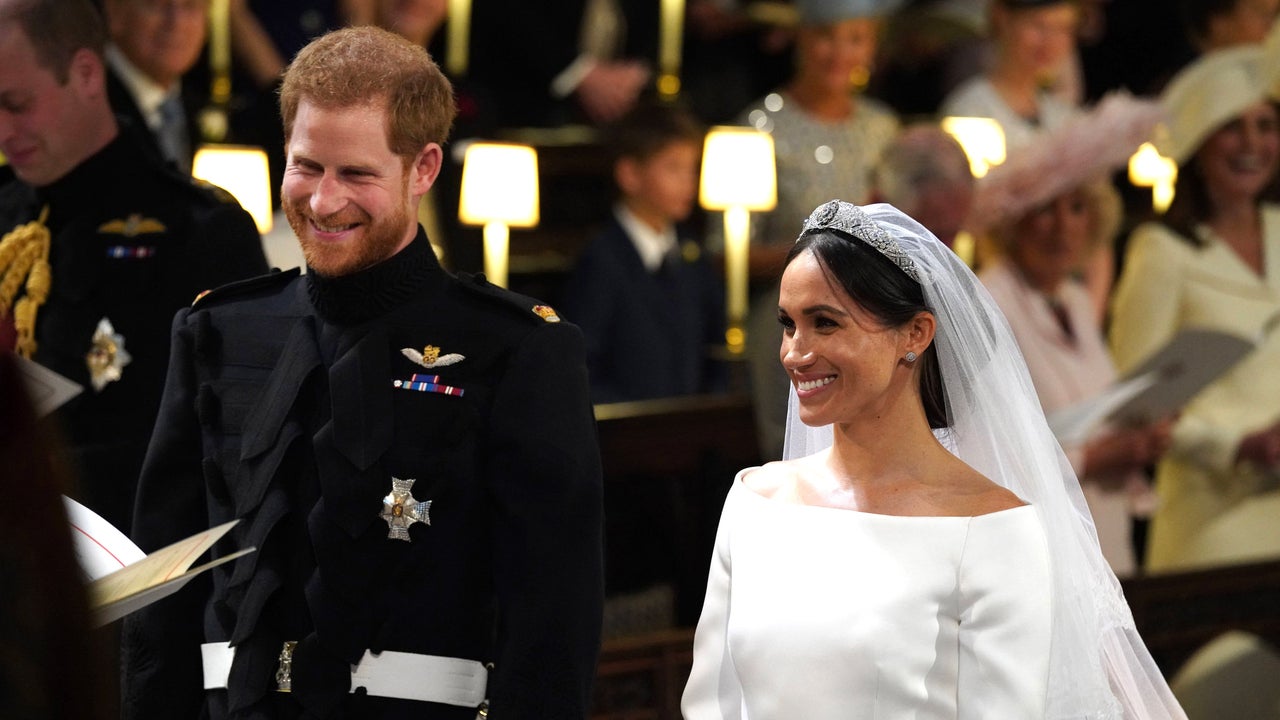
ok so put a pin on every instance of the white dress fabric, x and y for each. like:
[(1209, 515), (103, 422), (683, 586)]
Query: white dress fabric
[(1098, 668), (823, 613)]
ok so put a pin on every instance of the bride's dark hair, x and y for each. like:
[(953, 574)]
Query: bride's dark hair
[(881, 288)]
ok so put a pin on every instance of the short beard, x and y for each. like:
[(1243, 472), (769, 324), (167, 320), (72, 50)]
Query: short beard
[(382, 237)]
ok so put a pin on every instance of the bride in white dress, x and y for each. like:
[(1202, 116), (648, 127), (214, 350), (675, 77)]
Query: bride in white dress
[(925, 552)]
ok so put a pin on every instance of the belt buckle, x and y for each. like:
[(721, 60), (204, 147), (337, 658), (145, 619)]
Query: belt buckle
[(284, 667)]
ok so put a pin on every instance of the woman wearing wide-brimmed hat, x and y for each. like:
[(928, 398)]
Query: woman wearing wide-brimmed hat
[(1213, 260)]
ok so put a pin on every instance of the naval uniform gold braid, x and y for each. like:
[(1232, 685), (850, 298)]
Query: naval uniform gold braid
[(24, 255)]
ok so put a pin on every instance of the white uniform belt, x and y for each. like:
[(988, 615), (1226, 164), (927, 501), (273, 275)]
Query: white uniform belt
[(407, 676)]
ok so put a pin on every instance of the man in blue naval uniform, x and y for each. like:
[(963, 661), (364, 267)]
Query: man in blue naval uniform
[(413, 454), (130, 241)]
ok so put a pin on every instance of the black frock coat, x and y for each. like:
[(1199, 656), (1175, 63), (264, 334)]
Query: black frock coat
[(281, 411)]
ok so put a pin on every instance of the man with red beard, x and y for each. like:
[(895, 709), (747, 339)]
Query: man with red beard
[(412, 453)]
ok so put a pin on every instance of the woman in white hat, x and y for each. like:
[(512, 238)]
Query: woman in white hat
[(1213, 260)]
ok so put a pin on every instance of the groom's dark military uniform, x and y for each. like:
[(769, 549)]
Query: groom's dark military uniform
[(301, 405)]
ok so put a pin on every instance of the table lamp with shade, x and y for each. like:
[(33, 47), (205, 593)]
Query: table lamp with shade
[(499, 191), (242, 171), (739, 176)]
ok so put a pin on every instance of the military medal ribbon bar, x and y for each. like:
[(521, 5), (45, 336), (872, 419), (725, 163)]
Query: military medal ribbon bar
[(427, 383)]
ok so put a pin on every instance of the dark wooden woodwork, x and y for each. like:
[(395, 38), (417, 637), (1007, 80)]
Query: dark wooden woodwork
[(676, 436), (642, 678), (1177, 613)]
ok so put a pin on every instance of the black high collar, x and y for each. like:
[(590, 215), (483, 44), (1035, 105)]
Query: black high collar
[(369, 293)]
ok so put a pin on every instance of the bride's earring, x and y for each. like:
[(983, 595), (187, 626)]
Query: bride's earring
[(910, 356)]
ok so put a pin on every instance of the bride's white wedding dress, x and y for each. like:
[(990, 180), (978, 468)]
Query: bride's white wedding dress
[(822, 613)]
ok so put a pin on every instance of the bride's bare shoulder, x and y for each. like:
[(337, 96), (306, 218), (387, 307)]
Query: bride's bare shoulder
[(775, 479), (974, 494), (771, 478)]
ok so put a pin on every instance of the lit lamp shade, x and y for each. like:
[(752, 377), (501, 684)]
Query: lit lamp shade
[(242, 171), (739, 175), (499, 191), (738, 170), (982, 140), (1148, 168)]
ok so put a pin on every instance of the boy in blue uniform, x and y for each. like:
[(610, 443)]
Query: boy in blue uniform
[(649, 305)]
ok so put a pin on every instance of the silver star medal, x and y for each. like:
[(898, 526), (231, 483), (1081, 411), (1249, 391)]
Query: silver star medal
[(106, 357), (400, 509)]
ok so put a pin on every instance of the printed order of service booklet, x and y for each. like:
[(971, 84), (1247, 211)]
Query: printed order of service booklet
[(121, 577), (1159, 386)]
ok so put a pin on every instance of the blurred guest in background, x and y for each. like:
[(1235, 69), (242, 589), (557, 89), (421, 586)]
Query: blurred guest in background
[(827, 138), (925, 173), (648, 302), (1048, 207), (1213, 260), (111, 240), (571, 61), (153, 44), (1216, 24), (1033, 40)]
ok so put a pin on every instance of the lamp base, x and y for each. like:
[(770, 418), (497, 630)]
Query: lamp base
[(735, 339)]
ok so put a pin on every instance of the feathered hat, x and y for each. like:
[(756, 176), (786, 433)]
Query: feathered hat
[(1080, 152)]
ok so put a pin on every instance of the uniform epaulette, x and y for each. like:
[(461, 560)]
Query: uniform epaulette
[(220, 194), (523, 304), (243, 287)]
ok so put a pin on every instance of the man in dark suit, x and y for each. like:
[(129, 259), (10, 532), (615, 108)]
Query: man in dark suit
[(129, 242), (547, 64), (412, 453), (153, 44)]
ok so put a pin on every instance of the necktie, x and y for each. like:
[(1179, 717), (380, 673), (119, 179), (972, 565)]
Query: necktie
[(172, 133)]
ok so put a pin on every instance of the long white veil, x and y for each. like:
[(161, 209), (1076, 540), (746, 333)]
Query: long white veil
[(1098, 665)]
